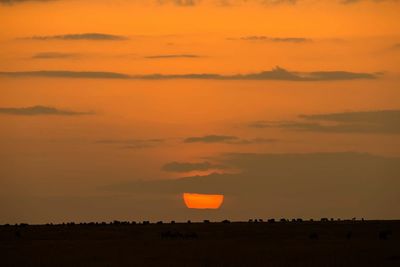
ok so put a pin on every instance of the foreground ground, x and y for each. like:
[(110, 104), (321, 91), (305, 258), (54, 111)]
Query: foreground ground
[(345, 243)]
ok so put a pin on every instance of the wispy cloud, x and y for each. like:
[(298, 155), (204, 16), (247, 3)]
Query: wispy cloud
[(274, 74), (190, 166), (53, 55), (379, 122), (132, 143), (67, 74), (228, 139), (11, 2), (168, 56), (273, 39), (80, 36), (211, 139), (40, 110)]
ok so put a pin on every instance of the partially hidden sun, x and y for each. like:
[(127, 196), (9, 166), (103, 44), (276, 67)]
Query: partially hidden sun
[(202, 201)]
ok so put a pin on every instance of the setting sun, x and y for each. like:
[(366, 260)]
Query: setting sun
[(202, 201)]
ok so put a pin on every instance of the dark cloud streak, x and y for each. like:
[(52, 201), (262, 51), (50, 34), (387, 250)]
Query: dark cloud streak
[(274, 74), (367, 122), (40, 110)]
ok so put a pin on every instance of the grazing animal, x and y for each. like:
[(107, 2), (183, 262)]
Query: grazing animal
[(174, 235), (384, 234), (349, 235), (17, 234), (314, 236)]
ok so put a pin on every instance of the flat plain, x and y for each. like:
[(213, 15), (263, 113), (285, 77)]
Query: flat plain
[(307, 243)]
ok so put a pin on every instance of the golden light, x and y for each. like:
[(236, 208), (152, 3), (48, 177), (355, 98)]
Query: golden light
[(202, 201)]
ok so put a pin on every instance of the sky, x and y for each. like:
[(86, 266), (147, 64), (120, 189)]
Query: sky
[(112, 110)]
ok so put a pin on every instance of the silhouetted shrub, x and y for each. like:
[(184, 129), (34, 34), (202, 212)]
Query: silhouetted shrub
[(250, 220), (206, 221), (283, 220), (299, 220), (146, 222), (189, 221), (324, 220), (271, 220), (160, 222), (172, 222), (226, 221)]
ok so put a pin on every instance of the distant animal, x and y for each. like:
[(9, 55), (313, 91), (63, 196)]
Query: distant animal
[(191, 236), (313, 236), (17, 234), (173, 235), (384, 234), (349, 235)]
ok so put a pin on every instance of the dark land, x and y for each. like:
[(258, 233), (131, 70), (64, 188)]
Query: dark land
[(299, 243)]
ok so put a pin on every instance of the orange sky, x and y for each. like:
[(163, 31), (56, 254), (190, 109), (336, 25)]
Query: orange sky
[(132, 127)]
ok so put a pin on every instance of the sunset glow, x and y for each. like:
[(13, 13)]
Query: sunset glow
[(110, 108), (203, 201)]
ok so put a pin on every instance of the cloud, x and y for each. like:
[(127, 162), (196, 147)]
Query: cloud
[(190, 166), (132, 143), (11, 2), (211, 139), (371, 122), (346, 2), (277, 73), (53, 55), (227, 139), (41, 110), (67, 74), (273, 39), (80, 36), (172, 56), (257, 140)]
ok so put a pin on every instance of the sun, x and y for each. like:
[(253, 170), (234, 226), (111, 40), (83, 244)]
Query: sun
[(202, 201)]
